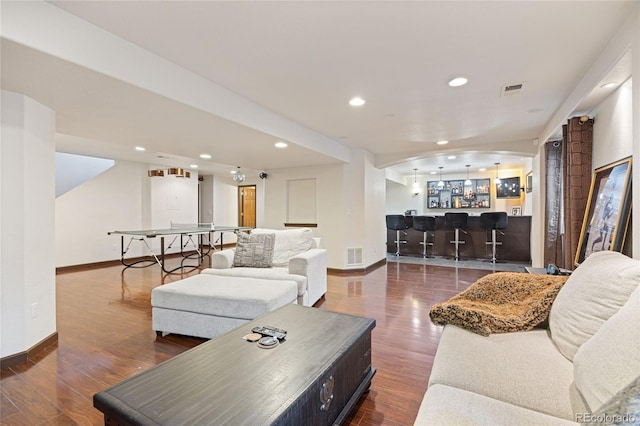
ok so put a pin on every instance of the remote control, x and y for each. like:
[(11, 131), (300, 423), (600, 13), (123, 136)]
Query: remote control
[(270, 331)]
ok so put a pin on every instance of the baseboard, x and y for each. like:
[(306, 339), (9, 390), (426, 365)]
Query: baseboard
[(20, 357), (358, 271)]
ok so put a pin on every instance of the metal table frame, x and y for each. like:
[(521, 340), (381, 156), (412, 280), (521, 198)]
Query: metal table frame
[(186, 233)]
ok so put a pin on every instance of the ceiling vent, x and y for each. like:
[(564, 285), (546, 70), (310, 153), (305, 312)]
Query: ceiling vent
[(512, 89)]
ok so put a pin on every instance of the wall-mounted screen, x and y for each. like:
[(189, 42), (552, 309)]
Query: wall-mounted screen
[(508, 188)]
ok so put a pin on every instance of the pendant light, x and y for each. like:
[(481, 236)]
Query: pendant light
[(175, 171), (416, 185), (468, 181), (238, 176), (441, 182), (498, 181)]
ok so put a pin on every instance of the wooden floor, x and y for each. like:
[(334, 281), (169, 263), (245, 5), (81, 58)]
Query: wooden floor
[(105, 336)]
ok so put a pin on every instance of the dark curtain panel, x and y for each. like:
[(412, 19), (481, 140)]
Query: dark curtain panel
[(577, 165), (553, 252)]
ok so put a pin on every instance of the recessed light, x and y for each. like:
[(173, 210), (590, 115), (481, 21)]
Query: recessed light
[(608, 85), (442, 142), (458, 81), (205, 156), (194, 166), (451, 157), (280, 144), (357, 101), (432, 173), (140, 148), (483, 169)]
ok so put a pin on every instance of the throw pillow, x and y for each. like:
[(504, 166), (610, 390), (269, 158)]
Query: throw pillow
[(595, 291), (254, 250), (609, 361), (289, 242)]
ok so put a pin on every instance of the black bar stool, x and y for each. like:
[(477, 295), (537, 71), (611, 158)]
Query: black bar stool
[(426, 225), (396, 222), (457, 222), (494, 221)]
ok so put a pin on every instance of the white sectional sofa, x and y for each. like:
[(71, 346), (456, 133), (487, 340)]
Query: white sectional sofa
[(584, 368), (297, 256), (267, 270)]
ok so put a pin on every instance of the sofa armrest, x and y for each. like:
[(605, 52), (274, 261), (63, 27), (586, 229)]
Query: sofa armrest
[(313, 265), (222, 259)]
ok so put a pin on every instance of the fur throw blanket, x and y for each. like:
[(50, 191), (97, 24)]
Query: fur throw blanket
[(501, 302)]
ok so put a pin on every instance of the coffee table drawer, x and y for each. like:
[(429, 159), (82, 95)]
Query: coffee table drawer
[(330, 398)]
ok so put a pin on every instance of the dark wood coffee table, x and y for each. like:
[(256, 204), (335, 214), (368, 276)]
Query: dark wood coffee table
[(315, 377)]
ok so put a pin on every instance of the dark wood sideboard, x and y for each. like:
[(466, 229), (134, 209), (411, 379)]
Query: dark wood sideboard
[(315, 377), (515, 246)]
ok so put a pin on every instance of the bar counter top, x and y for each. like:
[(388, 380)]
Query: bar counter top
[(515, 241)]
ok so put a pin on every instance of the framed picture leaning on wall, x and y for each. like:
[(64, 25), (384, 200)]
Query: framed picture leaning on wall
[(606, 218)]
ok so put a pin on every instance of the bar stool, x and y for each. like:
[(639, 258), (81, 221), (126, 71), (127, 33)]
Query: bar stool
[(426, 225), (457, 222), (494, 221), (396, 222)]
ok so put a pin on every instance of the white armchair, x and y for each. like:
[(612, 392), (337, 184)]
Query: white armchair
[(297, 257)]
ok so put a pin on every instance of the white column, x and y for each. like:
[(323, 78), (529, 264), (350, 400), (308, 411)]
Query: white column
[(27, 244), (635, 72)]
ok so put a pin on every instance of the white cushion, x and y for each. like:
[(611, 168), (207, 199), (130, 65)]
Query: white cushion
[(610, 360), (262, 273), (523, 368), (245, 298), (444, 405), (595, 291), (289, 242)]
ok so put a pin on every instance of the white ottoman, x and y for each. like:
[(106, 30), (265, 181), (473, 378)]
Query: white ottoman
[(208, 305)]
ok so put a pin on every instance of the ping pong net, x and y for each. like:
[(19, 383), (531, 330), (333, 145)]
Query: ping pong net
[(202, 225)]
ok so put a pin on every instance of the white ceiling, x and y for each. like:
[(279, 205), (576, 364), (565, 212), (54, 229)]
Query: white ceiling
[(305, 60)]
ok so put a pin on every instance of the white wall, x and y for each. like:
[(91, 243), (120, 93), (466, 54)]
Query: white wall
[(206, 199), (613, 127), (111, 201), (363, 194), (122, 198), (613, 137), (27, 264), (375, 233), (399, 198), (635, 49), (331, 211), (351, 207), (527, 200), (72, 170), (225, 211)]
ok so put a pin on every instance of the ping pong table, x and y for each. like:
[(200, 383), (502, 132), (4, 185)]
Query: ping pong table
[(189, 234)]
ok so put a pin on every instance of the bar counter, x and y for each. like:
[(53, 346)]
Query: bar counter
[(515, 241)]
